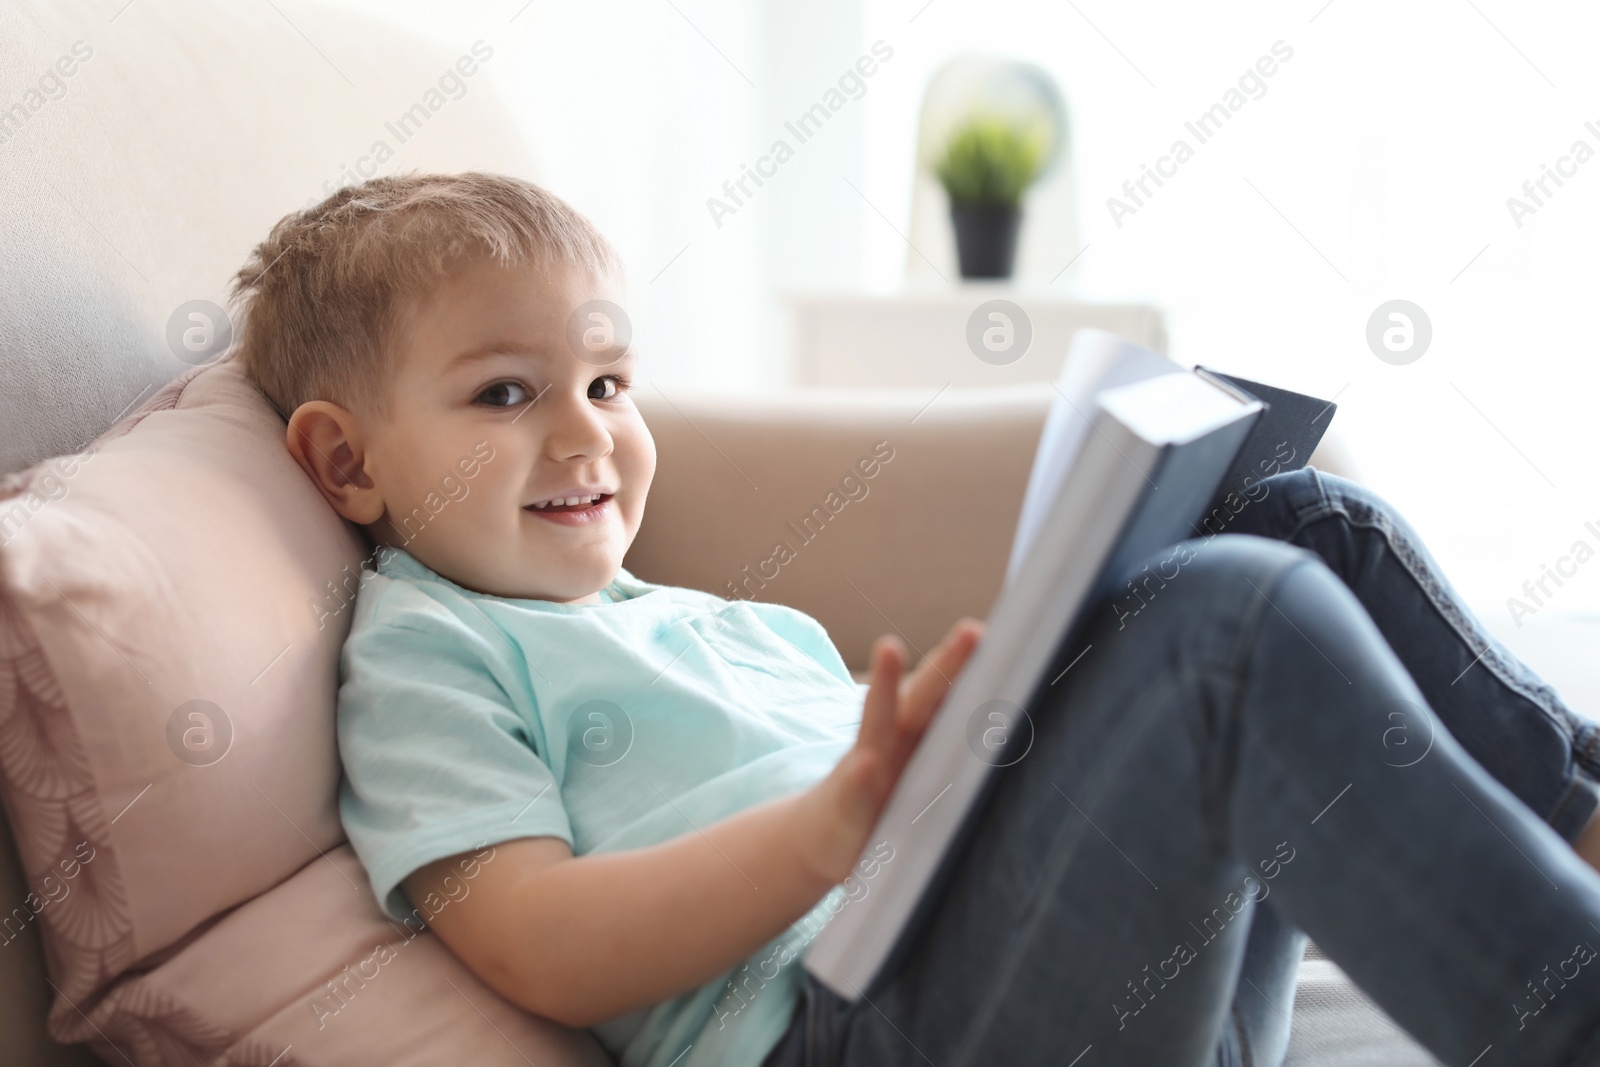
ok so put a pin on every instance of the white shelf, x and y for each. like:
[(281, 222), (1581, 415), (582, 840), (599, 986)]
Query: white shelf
[(921, 337)]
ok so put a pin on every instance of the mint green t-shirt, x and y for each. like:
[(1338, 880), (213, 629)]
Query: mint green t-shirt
[(467, 720)]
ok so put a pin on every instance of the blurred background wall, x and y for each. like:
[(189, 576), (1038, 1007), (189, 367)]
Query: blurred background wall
[(1375, 164)]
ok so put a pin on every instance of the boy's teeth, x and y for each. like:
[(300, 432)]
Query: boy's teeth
[(569, 501)]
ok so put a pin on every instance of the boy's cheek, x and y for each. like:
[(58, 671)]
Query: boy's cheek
[(644, 472)]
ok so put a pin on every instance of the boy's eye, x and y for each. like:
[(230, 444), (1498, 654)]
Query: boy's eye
[(615, 383), (504, 395)]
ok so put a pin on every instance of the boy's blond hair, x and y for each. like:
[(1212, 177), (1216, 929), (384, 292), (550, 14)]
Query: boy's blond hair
[(318, 302)]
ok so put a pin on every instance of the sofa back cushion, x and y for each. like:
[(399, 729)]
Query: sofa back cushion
[(873, 511), (147, 150)]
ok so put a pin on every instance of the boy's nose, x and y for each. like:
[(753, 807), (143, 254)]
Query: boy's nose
[(575, 430)]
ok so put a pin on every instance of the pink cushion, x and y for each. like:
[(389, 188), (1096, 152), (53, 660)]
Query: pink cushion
[(184, 557)]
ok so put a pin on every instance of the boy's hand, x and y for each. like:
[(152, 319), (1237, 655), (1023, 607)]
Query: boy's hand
[(841, 810)]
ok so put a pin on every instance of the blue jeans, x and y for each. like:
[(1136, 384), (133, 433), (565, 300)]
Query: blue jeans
[(1298, 731)]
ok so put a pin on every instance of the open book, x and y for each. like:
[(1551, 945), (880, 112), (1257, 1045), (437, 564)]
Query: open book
[(1136, 454)]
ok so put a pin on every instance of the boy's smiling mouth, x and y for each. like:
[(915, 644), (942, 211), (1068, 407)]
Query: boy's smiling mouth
[(574, 508)]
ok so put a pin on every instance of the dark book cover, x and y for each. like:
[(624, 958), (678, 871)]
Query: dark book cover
[(1283, 439)]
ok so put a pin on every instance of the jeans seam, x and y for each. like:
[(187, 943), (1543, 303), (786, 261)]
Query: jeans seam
[(1374, 519), (1584, 744)]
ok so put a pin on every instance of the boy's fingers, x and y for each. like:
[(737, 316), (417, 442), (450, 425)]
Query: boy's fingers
[(933, 677), (882, 702)]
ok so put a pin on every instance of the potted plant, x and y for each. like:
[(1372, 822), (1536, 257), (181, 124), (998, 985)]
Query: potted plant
[(987, 165)]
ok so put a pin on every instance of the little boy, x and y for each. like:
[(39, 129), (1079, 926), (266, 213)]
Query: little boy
[(666, 781)]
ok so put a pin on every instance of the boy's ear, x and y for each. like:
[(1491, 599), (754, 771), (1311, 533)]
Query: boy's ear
[(326, 441)]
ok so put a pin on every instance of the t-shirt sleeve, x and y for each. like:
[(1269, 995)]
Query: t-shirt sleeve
[(438, 756)]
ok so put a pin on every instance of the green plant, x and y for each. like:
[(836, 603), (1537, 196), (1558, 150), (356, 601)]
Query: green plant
[(990, 162)]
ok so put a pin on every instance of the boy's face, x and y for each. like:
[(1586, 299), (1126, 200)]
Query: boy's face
[(491, 411)]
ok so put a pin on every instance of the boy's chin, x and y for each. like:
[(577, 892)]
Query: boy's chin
[(516, 580), (571, 596), (566, 593), (575, 585)]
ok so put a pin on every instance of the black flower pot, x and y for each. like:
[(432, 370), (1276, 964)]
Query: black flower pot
[(986, 238)]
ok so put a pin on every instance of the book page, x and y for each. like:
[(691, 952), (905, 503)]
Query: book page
[(1097, 360)]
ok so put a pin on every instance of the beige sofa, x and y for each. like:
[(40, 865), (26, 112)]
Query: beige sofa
[(189, 130)]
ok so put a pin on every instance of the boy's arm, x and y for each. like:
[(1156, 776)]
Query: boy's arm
[(582, 940), (588, 939)]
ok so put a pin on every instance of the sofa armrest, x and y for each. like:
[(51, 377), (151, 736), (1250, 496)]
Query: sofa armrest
[(764, 497)]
